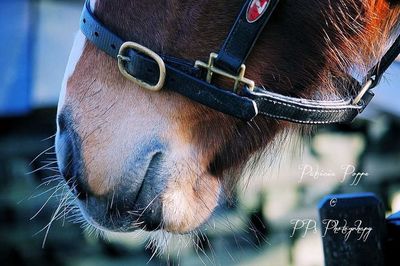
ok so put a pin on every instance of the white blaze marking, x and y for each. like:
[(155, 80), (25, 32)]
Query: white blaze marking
[(75, 55), (92, 4)]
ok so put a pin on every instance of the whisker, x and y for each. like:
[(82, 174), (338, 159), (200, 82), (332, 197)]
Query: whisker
[(148, 205), (42, 193), (51, 178), (40, 154), (45, 203), (42, 168), (50, 137)]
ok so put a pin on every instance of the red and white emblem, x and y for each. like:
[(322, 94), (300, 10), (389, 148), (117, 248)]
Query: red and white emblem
[(256, 9)]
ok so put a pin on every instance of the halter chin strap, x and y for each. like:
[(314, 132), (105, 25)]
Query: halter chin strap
[(153, 72)]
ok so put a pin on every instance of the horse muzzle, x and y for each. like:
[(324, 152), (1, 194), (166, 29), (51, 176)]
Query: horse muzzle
[(123, 202)]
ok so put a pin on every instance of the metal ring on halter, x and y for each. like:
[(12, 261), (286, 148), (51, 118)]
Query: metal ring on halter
[(146, 51)]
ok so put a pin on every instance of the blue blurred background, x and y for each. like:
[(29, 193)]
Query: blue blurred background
[(36, 37)]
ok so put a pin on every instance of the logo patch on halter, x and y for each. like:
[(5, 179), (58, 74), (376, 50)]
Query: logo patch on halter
[(256, 9)]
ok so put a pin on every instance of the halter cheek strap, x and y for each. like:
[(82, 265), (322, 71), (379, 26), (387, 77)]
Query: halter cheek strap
[(151, 71), (248, 26)]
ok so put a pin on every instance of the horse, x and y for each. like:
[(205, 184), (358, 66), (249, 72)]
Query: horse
[(156, 160)]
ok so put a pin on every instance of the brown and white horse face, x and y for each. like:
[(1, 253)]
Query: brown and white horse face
[(140, 159), (129, 153)]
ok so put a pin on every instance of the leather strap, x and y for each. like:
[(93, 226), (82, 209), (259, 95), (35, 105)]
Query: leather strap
[(97, 33), (185, 79), (305, 111), (244, 34), (182, 77), (377, 71)]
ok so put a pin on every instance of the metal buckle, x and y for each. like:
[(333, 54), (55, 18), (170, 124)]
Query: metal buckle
[(367, 86), (211, 69), (146, 51)]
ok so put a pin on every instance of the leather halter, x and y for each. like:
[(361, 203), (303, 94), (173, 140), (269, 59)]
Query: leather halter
[(154, 72)]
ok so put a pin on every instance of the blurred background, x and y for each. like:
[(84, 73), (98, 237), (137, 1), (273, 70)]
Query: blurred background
[(255, 230)]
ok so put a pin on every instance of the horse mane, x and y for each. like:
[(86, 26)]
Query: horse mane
[(365, 33)]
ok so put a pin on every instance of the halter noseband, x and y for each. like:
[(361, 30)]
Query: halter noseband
[(246, 100)]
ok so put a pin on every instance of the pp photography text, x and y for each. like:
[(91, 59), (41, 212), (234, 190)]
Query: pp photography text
[(342, 228), (305, 226), (348, 172)]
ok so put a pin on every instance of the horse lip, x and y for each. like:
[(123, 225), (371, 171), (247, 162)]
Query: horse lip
[(105, 221)]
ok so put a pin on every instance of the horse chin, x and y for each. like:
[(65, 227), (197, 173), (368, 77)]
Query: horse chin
[(187, 204)]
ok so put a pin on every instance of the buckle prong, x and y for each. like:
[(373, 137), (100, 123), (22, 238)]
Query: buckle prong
[(146, 51), (211, 69), (367, 86), (123, 58)]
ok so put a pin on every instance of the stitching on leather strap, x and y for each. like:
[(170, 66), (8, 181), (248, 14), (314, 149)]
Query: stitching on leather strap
[(308, 110), (302, 121)]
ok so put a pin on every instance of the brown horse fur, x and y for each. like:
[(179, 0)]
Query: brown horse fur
[(305, 45)]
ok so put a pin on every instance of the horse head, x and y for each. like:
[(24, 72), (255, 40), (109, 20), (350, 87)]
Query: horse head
[(156, 160)]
